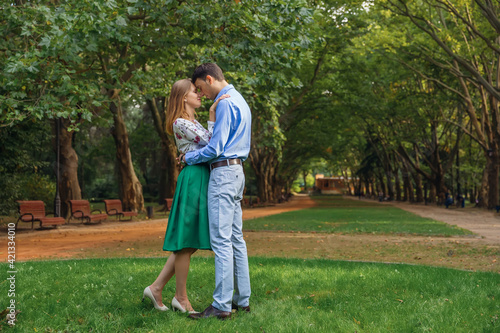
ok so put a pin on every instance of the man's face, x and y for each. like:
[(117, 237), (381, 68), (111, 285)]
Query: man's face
[(205, 88)]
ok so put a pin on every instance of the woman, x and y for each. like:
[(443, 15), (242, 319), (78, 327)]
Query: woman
[(187, 228)]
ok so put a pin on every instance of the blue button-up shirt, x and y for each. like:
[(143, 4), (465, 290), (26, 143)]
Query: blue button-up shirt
[(232, 131)]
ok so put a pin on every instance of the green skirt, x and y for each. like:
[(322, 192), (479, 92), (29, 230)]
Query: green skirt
[(188, 219)]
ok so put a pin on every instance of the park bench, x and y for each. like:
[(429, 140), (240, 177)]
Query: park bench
[(115, 207), (34, 211), (255, 202), (251, 202), (80, 209), (167, 205)]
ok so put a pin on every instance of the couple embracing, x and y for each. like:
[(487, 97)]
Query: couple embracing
[(206, 209)]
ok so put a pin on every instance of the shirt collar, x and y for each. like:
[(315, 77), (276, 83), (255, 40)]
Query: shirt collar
[(224, 90)]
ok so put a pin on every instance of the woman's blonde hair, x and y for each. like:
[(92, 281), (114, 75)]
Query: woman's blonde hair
[(176, 107)]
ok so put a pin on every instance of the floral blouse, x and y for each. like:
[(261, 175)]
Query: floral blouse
[(190, 135)]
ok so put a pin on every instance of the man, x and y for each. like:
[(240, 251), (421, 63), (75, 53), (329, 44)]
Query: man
[(228, 148)]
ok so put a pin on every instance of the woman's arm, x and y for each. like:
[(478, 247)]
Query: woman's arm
[(211, 119), (214, 107)]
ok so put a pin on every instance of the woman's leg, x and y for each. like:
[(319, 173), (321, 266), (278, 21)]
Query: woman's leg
[(182, 260), (165, 275)]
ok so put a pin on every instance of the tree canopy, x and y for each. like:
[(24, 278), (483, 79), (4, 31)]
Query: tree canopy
[(397, 96)]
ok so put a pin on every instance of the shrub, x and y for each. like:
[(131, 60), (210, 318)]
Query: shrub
[(25, 187)]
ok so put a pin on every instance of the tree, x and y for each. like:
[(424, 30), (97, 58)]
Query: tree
[(468, 35)]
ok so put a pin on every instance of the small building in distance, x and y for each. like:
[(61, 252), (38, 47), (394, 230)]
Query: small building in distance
[(331, 185)]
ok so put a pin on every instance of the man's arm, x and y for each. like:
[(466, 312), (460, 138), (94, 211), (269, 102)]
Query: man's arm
[(219, 139)]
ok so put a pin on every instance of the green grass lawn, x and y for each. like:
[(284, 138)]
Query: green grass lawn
[(335, 214), (288, 295)]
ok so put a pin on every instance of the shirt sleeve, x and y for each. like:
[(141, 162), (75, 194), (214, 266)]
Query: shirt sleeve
[(190, 132), (219, 139)]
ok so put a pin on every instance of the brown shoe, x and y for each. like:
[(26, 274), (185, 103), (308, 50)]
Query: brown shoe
[(242, 308), (211, 312)]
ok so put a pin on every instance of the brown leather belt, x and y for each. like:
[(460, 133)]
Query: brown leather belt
[(225, 163)]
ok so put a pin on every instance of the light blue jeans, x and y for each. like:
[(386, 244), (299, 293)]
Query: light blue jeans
[(232, 278)]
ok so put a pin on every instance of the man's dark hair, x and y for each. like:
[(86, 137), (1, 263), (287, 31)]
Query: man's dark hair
[(205, 69)]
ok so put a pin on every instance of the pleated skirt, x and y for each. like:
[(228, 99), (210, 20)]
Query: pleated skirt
[(188, 220)]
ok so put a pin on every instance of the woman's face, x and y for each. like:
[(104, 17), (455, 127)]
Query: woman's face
[(192, 99)]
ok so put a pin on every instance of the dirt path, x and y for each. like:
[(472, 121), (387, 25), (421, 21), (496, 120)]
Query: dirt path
[(111, 238), (145, 239), (484, 223)]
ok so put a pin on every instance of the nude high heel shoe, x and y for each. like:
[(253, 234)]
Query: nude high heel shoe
[(147, 293), (178, 306)]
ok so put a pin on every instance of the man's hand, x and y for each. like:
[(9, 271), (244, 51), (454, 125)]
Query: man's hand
[(181, 159)]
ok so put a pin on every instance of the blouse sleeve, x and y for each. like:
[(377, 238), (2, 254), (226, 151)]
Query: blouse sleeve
[(191, 132), (210, 126)]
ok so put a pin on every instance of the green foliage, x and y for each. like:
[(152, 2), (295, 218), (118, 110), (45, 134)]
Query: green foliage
[(26, 157), (337, 80), (296, 188), (40, 67), (96, 154), (318, 124), (396, 89), (67, 59), (287, 295), (26, 187)]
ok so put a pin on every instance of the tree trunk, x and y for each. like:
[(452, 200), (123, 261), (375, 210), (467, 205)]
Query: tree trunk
[(432, 193), (273, 186), (169, 169), (418, 187), (278, 187), (304, 177), (382, 185), (264, 164), (483, 191), (397, 184), (492, 167), (69, 187), (390, 186), (347, 185), (130, 187), (408, 186), (264, 185), (493, 161), (371, 187)]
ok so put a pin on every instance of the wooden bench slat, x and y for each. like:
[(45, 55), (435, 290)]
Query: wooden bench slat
[(34, 211), (52, 220), (80, 209), (115, 207)]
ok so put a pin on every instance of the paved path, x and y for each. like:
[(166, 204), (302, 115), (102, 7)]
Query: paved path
[(481, 222)]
